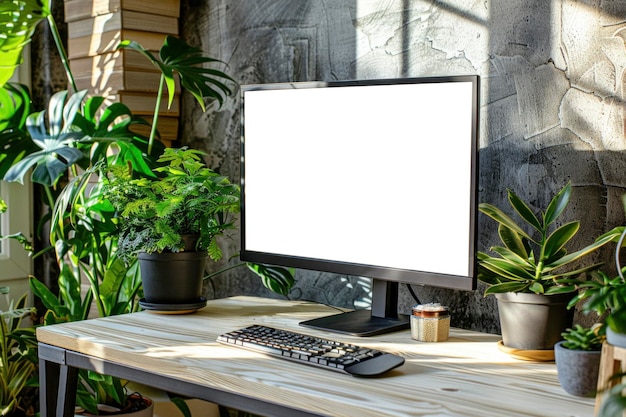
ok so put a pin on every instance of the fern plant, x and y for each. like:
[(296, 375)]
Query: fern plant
[(183, 198)]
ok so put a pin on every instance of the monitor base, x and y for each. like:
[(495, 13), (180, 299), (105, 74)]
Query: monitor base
[(358, 323)]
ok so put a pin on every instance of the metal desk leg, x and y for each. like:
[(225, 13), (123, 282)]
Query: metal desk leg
[(57, 386)]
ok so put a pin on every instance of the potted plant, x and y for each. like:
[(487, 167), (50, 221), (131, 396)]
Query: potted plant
[(528, 275), (605, 296), (172, 222), (105, 395), (578, 360)]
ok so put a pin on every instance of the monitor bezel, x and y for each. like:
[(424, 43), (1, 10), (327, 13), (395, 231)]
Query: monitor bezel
[(427, 278)]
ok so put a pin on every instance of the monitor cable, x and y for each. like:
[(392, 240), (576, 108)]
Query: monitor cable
[(412, 292)]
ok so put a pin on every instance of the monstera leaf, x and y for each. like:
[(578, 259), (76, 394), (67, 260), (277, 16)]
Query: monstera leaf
[(275, 278), (55, 139), (18, 20), (177, 57), (112, 124), (15, 141)]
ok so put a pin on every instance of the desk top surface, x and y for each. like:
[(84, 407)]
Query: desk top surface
[(464, 376)]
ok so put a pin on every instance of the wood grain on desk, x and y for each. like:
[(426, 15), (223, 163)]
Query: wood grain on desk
[(465, 376)]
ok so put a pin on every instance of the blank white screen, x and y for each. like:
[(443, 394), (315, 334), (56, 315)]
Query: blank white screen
[(374, 175)]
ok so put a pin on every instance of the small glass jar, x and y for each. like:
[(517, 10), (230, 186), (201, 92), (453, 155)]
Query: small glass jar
[(430, 323)]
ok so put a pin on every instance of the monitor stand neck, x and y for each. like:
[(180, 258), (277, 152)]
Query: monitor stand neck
[(382, 318), (384, 299)]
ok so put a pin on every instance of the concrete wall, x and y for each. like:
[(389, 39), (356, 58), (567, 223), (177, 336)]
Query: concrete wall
[(552, 108)]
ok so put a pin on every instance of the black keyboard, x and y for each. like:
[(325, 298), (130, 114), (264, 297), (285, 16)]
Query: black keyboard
[(329, 354)]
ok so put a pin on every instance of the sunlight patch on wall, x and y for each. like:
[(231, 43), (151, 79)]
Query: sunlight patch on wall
[(421, 37), (595, 50)]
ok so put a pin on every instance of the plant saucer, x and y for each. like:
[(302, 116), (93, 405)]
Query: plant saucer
[(535, 355), (166, 308)]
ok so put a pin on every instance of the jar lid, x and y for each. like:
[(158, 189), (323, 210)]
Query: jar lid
[(430, 310)]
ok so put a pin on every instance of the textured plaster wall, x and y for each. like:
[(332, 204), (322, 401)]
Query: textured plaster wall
[(552, 107)]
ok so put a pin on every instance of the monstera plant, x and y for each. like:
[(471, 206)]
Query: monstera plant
[(63, 146)]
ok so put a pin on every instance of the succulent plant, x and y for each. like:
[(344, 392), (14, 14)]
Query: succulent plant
[(582, 338)]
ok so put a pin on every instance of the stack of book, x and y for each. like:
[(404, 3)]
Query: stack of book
[(95, 29)]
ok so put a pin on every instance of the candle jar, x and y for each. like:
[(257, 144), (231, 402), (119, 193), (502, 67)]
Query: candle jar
[(430, 322)]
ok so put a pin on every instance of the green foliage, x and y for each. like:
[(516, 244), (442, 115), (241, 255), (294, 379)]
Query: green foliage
[(114, 289), (80, 218), (78, 134), (54, 138), (70, 134), (18, 20), (182, 406), (177, 57), (603, 295), (582, 338), (97, 389), (186, 198), (617, 320), (614, 401), (18, 356), (110, 137), (81, 230), (277, 279), (533, 262), (14, 137)]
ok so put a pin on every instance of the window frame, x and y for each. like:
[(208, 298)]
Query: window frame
[(16, 265), (15, 261)]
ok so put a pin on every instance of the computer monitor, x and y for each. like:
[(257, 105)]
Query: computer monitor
[(373, 178)]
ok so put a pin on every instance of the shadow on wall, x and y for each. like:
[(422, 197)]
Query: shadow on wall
[(552, 101), (536, 175)]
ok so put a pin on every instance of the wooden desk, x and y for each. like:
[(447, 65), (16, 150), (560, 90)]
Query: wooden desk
[(465, 376)]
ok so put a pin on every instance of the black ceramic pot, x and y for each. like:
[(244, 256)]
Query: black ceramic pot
[(172, 278)]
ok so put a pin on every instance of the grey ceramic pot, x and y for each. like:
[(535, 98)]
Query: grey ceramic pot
[(614, 338), (577, 370), (533, 321)]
